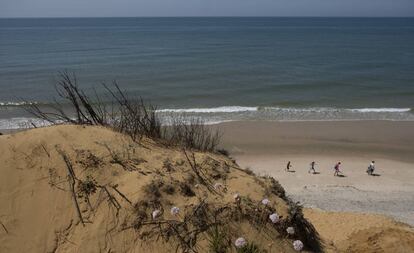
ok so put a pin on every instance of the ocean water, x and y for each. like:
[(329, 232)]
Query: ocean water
[(218, 68)]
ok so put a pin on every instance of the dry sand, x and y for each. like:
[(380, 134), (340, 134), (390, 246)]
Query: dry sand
[(118, 184), (358, 232)]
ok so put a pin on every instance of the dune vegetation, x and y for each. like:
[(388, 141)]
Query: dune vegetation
[(112, 178)]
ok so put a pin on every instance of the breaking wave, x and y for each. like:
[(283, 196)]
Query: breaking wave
[(222, 109), (215, 115)]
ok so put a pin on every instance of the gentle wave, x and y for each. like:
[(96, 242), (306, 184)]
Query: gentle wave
[(22, 123), (381, 110), (233, 109), (216, 115), (213, 110), (22, 103), (301, 110)]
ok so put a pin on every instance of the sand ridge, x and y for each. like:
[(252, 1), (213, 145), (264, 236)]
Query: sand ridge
[(89, 189), (358, 232)]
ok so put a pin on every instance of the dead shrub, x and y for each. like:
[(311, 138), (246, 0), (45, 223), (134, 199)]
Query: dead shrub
[(86, 187), (87, 159), (191, 133), (169, 189), (131, 116), (153, 189), (185, 189), (224, 152), (249, 171)]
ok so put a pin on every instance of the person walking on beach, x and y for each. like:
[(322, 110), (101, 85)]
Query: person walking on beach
[(371, 168), (337, 171), (312, 167), (288, 166)]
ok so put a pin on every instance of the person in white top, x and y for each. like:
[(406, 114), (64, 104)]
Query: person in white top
[(371, 168)]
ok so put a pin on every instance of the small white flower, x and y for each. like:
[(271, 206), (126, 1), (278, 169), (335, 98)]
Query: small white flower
[(298, 245), (274, 217), (155, 214), (265, 202), (290, 230), (240, 242), (175, 210), (218, 186)]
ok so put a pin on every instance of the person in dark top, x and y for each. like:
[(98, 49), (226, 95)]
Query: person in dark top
[(312, 167), (288, 166), (337, 171)]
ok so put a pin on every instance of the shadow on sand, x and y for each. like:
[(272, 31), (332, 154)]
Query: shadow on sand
[(375, 175), (316, 173), (291, 171)]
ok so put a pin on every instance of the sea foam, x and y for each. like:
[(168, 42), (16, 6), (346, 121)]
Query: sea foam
[(223, 109), (216, 115), (381, 110), (21, 103)]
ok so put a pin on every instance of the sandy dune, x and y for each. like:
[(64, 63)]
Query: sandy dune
[(89, 189), (364, 233)]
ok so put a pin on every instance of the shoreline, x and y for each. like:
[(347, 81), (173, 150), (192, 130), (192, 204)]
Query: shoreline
[(266, 147)]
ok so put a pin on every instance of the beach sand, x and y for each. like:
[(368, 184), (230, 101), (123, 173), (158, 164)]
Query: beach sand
[(266, 147), (39, 209)]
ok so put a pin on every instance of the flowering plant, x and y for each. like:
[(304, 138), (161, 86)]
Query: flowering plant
[(240, 242), (265, 202), (236, 197), (274, 217), (156, 213), (175, 211), (290, 230), (218, 186), (298, 245)]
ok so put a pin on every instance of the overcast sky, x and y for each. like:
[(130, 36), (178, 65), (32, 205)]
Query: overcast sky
[(132, 8)]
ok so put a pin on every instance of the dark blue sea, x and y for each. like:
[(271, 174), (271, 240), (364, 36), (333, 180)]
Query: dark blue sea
[(218, 68)]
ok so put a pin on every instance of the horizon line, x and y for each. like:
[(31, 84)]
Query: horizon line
[(247, 16)]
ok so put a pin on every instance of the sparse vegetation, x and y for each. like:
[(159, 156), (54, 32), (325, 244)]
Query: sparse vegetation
[(88, 159), (249, 171), (249, 248), (223, 152), (186, 189), (304, 230), (206, 216), (218, 241), (191, 133), (168, 188), (86, 187), (153, 190), (131, 116), (167, 165)]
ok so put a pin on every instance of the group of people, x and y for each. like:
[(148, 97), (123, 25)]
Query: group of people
[(337, 171)]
